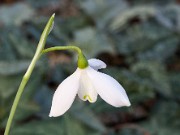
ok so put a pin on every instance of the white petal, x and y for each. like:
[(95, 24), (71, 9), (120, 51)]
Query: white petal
[(96, 64), (86, 89), (108, 88), (65, 94)]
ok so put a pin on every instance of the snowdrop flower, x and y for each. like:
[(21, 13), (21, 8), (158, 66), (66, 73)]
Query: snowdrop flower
[(87, 83)]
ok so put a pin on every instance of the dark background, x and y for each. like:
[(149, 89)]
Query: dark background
[(138, 39)]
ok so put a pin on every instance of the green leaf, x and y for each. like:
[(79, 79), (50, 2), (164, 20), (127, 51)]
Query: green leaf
[(13, 67), (175, 84), (164, 113), (141, 11), (65, 125), (92, 42), (15, 14), (8, 85), (155, 73), (101, 10), (86, 116)]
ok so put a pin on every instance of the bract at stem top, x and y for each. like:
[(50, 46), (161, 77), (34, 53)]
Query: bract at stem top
[(44, 35)]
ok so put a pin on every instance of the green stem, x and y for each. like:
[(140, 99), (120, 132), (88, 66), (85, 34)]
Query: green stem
[(28, 73), (19, 93), (82, 61), (62, 48)]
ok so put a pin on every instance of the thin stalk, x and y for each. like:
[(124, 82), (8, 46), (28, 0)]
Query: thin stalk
[(82, 61), (28, 73), (62, 48), (19, 93)]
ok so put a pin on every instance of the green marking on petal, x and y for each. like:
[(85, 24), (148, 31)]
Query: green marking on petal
[(87, 97)]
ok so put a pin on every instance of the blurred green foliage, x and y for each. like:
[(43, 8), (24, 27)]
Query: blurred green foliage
[(139, 41)]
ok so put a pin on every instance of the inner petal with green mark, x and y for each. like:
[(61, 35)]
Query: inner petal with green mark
[(87, 97), (86, 89)]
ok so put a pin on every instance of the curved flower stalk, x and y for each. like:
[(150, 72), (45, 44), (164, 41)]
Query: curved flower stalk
[(87, 83)]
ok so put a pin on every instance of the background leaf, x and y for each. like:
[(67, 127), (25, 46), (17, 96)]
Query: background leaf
[(139, 42)]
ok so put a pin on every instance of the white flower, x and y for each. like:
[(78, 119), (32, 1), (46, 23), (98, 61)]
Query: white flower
[(88, 83)]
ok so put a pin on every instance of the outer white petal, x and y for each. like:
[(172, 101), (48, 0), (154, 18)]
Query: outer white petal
[(86, 89), (65, 94), (108, 88), (96, 64)]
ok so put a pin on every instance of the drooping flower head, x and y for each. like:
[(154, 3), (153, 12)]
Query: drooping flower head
[(87, 83)]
